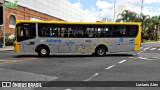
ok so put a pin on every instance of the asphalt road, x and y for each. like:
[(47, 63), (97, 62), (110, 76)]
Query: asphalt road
[(143, 65)]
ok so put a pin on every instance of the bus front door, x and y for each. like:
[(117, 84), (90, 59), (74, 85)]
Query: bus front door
[(28, 46)]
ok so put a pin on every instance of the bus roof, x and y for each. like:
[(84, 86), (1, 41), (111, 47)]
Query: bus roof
[(81, 23)]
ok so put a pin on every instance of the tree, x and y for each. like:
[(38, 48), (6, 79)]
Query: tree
[(127, 16), (155, 23), (146, 32)]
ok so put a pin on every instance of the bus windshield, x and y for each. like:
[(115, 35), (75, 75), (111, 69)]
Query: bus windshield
[(26, 31)]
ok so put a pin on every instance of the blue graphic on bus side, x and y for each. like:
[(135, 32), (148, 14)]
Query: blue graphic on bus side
[(131, 42), (69, 42), (54, 40), (121, 40)]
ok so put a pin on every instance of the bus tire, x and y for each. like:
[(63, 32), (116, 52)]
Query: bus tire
[(101, 51), (43, 51)]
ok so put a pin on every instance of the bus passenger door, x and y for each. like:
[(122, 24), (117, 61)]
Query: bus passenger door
[(28, 46), (125, 44)]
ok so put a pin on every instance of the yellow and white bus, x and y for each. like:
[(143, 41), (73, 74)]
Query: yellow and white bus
[(99, 38)]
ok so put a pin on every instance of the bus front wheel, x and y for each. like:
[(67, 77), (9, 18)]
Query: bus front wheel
[(43, 52), (101, 51)]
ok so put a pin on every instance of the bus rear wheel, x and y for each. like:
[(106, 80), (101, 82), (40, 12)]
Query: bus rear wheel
[(43, 52), (101, 51)]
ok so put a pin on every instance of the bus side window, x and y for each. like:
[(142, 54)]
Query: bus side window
[(128, 30), (133, 31), (101, 32), (62, 32), (71, 31), (114, 31), (46, 34), (89, 32), (86, 34), (71, 34), (107, 32), (80, 32), (65, 32), (119, 31), (54, 32), (47, 30)]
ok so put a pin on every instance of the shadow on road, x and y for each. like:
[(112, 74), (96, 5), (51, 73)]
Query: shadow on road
[(74, 56)]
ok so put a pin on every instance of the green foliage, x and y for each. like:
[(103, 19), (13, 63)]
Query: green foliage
[(8, 41), (128, 16)]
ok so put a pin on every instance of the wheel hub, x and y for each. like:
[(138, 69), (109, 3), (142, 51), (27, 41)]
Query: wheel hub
[(44, 51), (101, 51)]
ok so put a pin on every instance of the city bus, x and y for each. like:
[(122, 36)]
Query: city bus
[(98, 38)]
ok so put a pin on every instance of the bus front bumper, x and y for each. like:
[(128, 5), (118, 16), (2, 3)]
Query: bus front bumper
[(16, 47)]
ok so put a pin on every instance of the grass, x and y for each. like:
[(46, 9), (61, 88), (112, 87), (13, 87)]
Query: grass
[(150, 40)]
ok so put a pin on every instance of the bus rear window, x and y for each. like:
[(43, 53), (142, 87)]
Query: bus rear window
[(26, 31)]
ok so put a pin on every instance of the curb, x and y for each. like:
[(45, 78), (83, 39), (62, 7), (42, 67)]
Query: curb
[(5, 50)]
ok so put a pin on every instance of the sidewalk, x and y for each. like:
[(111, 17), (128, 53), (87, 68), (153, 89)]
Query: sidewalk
[(7, 48)]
